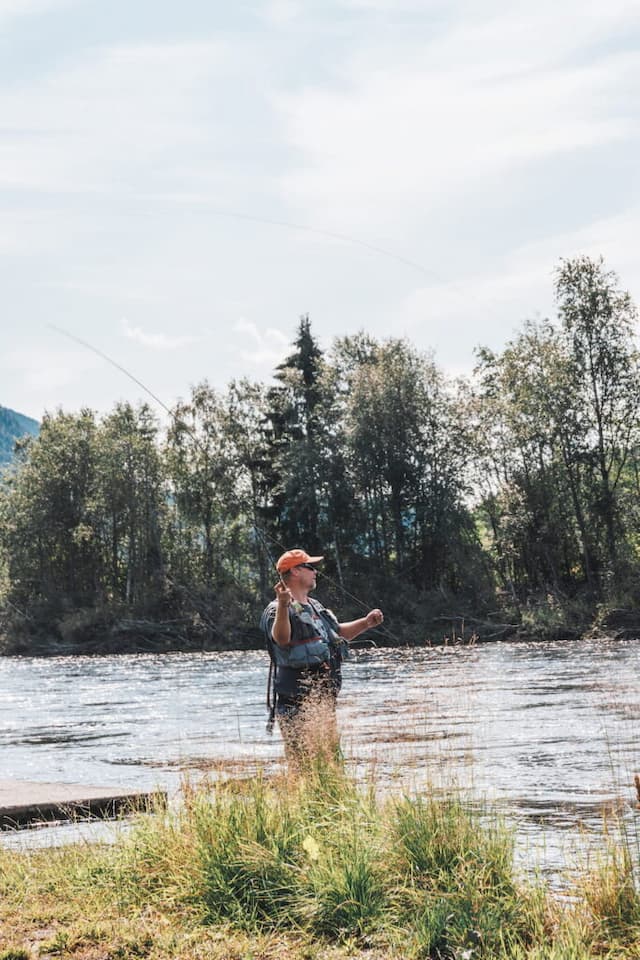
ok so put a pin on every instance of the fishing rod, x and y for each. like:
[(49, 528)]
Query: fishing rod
[(196, 439)]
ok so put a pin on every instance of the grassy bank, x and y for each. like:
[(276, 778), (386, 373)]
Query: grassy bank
[(432, 619), (311, 867)]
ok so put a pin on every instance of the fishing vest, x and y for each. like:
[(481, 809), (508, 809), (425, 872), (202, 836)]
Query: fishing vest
[(315, 648)]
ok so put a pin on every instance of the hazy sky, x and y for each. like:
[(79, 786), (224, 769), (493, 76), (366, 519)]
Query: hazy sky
[(151, 153)]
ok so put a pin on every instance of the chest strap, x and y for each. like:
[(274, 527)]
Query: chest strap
[(299, 643)]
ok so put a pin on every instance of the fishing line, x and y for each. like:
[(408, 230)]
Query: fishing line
[(332, 235), (182, 587), (345, 238), (114, 363)]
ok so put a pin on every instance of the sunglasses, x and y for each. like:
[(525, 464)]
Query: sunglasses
[(308, 566)]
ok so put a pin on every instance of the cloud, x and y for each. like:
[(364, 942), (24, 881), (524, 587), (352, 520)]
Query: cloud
[(11, 9), (269, 344), (103, 290), (103, 124), (157, 341), (36, 377), (281, 12), (518, 286), (431, 119), (433, 130), (28, 232), (395, 7)]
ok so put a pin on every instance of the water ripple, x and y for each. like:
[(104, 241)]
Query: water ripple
[(547, 730)]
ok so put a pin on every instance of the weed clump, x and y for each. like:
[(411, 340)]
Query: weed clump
[(455, 874), (315, 854)]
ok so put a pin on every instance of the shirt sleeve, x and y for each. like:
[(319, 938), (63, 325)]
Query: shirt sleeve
[(268, 619)]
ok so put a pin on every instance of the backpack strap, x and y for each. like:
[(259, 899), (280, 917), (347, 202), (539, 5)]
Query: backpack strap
[(271, 685), (326, 615)]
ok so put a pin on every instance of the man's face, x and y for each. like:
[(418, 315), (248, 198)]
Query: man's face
[(306, 574)]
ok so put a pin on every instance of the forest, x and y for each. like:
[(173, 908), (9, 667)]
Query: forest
[(502, 504)]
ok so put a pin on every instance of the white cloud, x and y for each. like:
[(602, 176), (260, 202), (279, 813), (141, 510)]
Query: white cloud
[(44, 370), (109, 119), (431, 129), (518, 287), (10, 9), (157, 341), (28, 232), (413, 124), (396, 7), (104, 290), (280, 12), (269, 345)]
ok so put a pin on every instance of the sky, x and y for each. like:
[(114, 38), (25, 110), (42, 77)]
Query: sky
[(180, 182)]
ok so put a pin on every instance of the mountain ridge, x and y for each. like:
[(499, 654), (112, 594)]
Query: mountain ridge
[(13, 425)]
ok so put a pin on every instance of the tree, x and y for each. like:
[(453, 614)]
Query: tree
[(129, 504), (557, 421), (526, 462), (407, 451), (598, 320), (203, 486), (246, 404), (295, 433), (48, 537)]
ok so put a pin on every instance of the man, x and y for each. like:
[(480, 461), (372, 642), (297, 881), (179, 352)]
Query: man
[(307, 645)]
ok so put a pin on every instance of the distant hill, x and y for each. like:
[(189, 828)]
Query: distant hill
[(12, 426)]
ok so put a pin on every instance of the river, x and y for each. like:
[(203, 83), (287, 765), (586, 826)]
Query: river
[(548, 732)]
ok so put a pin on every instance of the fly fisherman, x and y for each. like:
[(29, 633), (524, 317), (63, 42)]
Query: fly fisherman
[(307, 645)]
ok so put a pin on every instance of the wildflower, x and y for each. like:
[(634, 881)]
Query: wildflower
[(311, 848)]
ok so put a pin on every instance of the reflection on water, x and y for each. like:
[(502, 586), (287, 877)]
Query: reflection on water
[(547, 731)]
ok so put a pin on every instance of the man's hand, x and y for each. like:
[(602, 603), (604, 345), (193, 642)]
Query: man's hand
[(281, 630), (283, 594), (374, 618)]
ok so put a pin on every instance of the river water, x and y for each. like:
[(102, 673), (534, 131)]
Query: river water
[(547, 732)]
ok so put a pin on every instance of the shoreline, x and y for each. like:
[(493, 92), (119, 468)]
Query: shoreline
[(148, 645)]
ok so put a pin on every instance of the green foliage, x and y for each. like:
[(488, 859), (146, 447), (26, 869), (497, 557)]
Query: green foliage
[(517, 490), (47, 535), (409, 448), (82, 513), (463, 888), (611, 896), (297, 428), (200, 465), (556, 418)]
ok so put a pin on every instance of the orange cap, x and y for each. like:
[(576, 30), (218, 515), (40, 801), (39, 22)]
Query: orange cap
[(293, 558)]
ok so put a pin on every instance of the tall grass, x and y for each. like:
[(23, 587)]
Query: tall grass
[(315, 860), (315, 854), (457, 872)]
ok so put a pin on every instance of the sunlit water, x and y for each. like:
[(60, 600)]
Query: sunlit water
[(547, 732)]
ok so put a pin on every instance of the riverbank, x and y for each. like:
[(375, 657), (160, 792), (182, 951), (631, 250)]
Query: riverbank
[(432, 620), (311, 867)]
